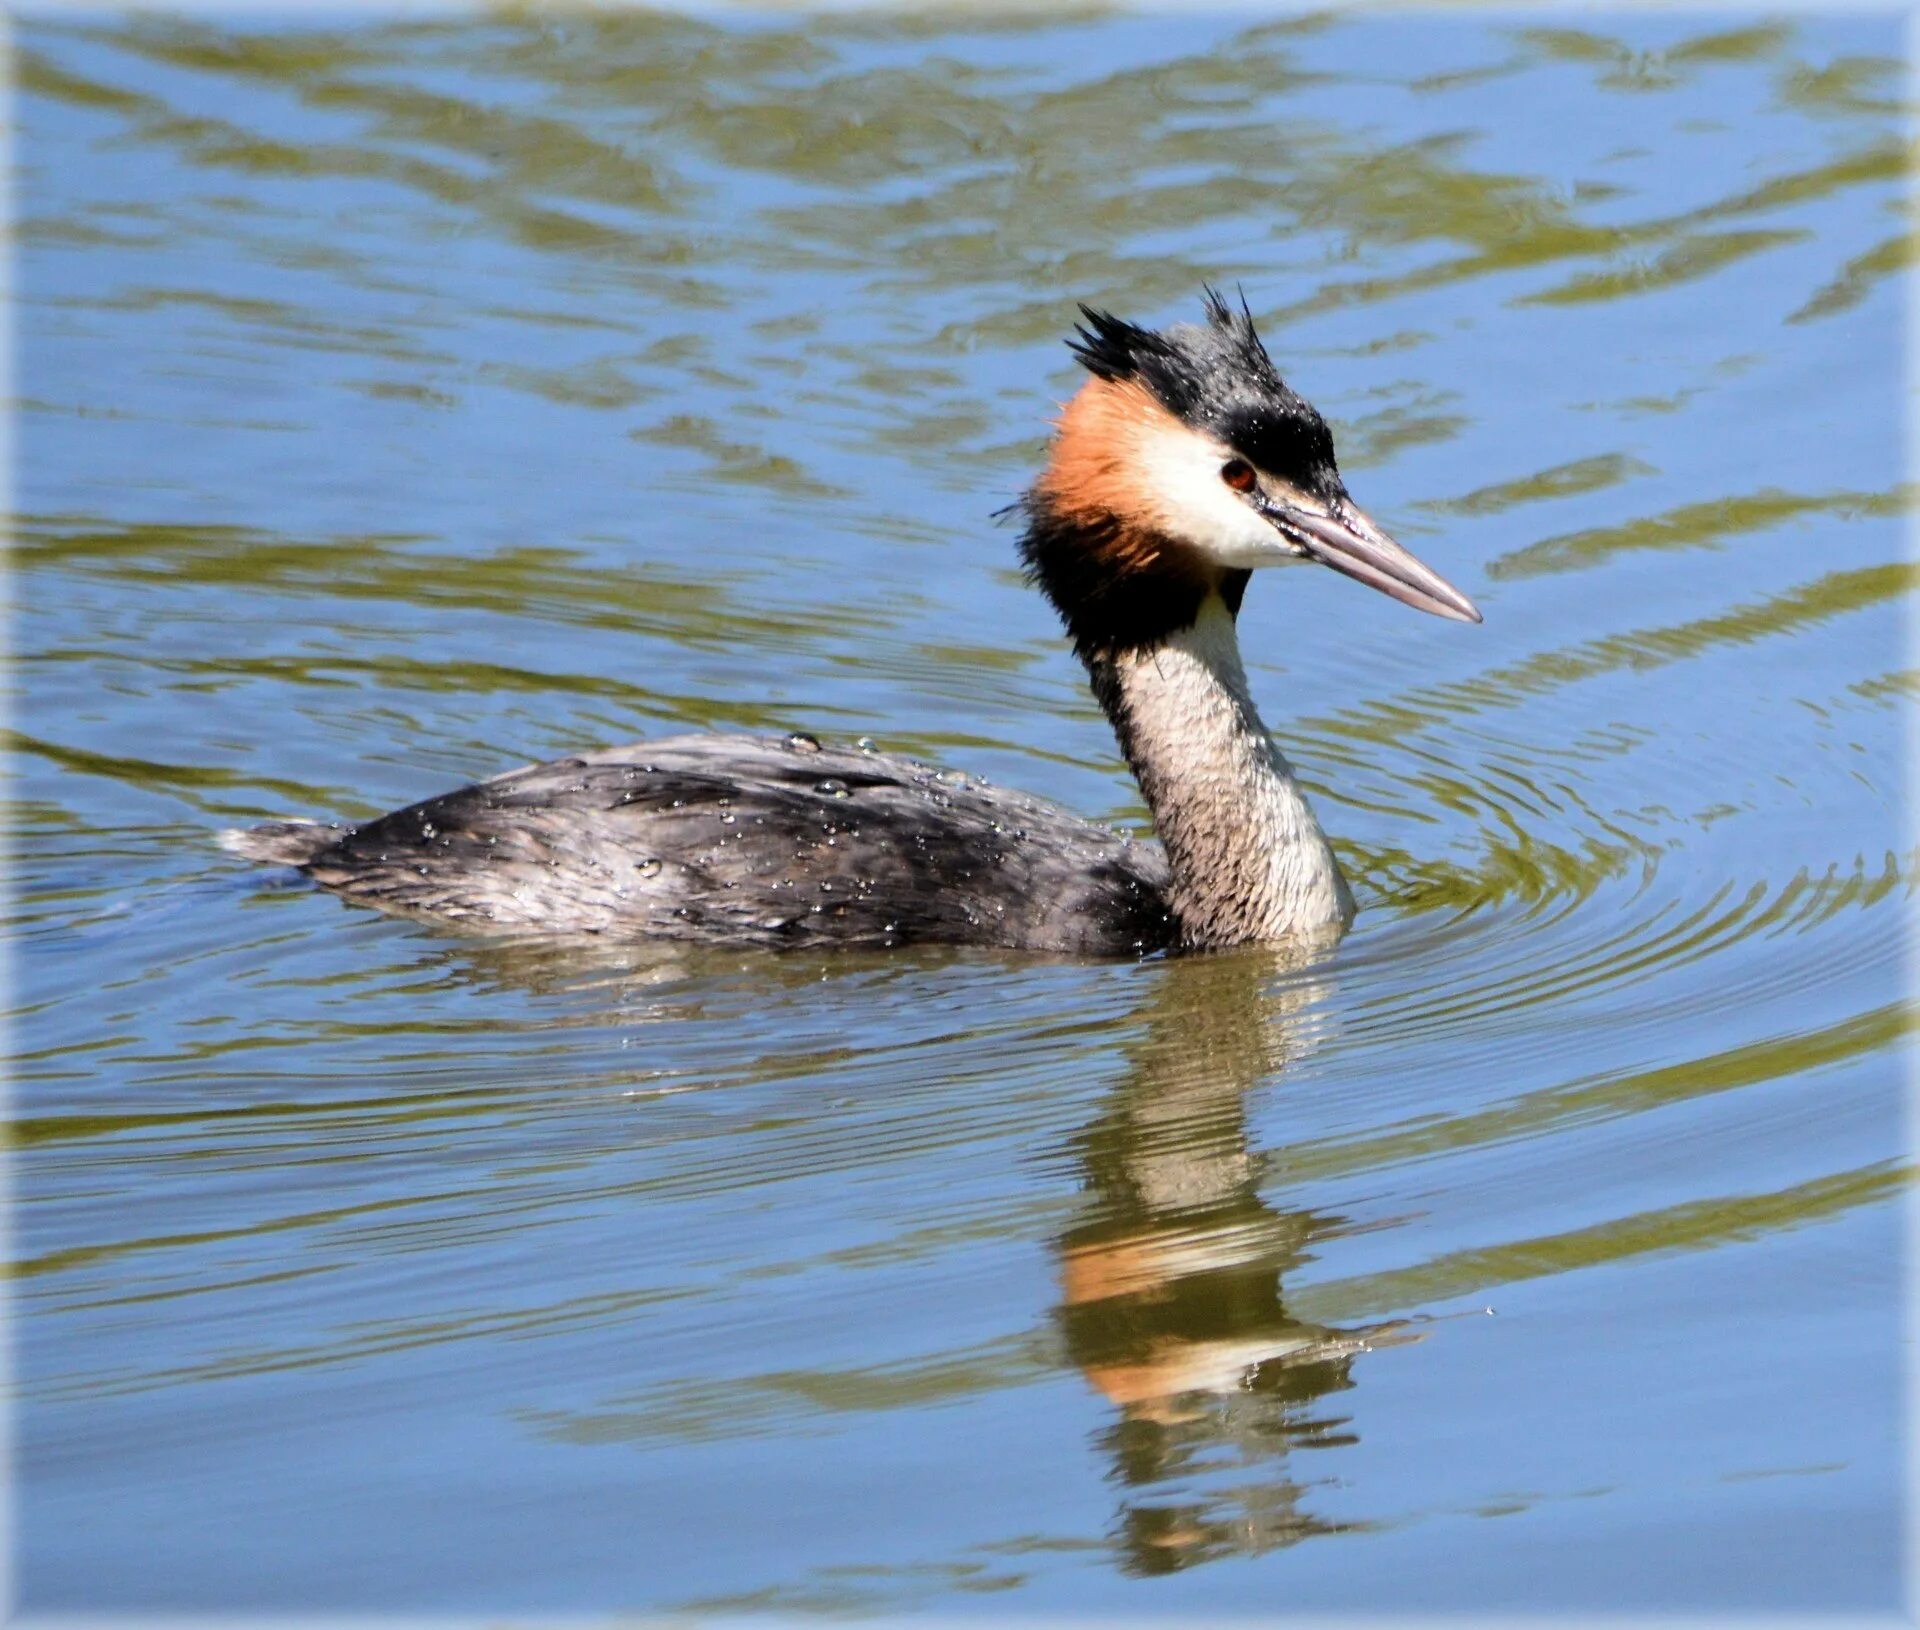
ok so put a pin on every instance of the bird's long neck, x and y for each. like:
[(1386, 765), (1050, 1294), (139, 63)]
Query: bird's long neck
[(1249, 862)]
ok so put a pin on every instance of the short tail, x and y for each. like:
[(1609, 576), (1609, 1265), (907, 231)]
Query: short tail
[(279, 843)]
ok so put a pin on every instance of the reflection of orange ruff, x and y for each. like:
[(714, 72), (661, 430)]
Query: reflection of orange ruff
[(1143, 1267), (1139, 1264), (1173, 1369)]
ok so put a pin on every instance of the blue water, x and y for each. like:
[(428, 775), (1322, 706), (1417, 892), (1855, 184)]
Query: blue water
[(400, 401)]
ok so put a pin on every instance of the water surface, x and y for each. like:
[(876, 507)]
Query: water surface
[(402, 401)]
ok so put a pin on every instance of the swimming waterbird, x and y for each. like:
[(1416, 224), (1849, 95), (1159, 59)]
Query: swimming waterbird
[(1183, 465)]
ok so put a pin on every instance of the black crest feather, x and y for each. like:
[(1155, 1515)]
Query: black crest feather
[(1237, 328), (1218, 377), (1111, 348)]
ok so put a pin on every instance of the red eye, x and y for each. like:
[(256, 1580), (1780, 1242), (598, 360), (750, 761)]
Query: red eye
[(1238, 474)]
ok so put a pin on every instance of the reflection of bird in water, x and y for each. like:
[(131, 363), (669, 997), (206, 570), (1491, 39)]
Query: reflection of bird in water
[(1171, 1300), (1182, 464)]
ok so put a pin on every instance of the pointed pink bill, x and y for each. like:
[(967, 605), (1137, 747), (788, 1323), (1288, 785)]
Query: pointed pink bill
[(1346, 538)]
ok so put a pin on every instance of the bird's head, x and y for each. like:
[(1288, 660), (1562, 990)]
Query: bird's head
[(1184, 463)]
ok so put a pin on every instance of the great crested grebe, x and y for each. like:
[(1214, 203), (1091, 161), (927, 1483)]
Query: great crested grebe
[(1182, 464)]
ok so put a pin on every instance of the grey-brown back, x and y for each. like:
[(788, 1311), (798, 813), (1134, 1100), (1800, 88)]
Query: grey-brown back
[(777, 841)]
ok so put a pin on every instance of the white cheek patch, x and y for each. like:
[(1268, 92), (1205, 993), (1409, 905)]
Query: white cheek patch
[(1182, 493)]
